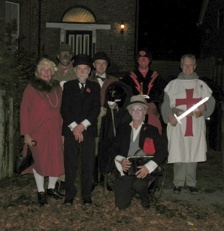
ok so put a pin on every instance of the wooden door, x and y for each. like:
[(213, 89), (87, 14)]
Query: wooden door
[(80, 42)]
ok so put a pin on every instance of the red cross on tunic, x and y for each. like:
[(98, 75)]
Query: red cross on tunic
[(189, 101)]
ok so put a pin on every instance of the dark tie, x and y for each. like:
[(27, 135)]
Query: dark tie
[(82, 87), (98, 77)]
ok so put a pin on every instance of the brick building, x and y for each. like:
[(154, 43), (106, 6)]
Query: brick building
[(89, 26)]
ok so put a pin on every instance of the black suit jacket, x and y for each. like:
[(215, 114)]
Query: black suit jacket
[(147, 131), (77, 106)]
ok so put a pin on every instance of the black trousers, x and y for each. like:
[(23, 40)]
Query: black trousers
[(125, 188), (72, 149)]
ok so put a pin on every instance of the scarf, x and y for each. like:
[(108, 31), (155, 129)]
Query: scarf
[(192, 76)]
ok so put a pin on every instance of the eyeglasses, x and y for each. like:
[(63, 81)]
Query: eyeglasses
[(137, 109)]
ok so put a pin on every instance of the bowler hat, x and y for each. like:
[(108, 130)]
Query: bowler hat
[(82, 60), (64, 47), (101, 55), (137, 100), (143, 53)]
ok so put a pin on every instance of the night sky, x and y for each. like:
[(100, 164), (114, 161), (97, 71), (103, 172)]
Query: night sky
[(168, 28)]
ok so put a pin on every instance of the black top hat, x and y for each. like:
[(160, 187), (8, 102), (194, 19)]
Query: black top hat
[(101, 55), (82, 60)]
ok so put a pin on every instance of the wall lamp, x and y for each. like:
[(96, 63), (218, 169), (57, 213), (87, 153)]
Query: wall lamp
[(122, 28)]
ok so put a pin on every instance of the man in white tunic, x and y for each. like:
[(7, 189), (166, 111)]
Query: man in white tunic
[(186, 141)]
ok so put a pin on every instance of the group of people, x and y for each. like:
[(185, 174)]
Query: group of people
[(64, 108)]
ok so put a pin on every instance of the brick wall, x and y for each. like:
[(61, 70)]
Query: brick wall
[(119, 47)]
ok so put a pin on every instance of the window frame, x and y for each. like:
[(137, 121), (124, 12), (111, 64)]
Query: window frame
[(9, 18)]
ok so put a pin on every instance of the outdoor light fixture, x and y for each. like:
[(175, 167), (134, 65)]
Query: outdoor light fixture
[(122, 28)]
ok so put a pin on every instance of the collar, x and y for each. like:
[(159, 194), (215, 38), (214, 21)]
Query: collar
[(135, 130), (139, 126), (102, 76)]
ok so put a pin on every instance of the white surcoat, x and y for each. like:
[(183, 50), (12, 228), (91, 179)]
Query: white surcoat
[(187, 141)]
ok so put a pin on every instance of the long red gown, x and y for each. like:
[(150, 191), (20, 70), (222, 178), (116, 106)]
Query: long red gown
[(40, 118)]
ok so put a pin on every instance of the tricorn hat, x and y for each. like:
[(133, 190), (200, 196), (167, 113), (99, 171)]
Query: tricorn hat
[(101, 55), (137, 100), (82, 60), (64, 47)]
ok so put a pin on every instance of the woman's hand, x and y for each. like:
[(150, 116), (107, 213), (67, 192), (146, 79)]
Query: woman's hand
[(28, 140)]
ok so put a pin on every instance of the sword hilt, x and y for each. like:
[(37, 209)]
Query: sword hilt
[(178, 120)]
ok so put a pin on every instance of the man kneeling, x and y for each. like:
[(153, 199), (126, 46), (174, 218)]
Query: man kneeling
[(142, 140)]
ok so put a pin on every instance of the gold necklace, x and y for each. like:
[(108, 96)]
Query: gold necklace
[(50, 100)]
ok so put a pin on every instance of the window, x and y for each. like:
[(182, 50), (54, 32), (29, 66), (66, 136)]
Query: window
[(220, 22), (12, 18), (78, 15)]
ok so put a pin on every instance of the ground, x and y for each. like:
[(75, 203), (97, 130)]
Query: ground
[(205, 211)]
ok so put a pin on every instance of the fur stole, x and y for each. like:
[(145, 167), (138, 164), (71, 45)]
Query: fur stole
[(41, 85)]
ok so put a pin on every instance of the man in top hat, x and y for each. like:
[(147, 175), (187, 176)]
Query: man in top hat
[(65, 68), (80, 109), (100, 63), (143, 139), (149, 83)]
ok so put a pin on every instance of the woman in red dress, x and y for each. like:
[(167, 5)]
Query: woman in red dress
[(41, 122)]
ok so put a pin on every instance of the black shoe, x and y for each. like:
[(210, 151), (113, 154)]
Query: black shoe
[(177, 189), (193, 190), (60, 187), (87, 201), (68, 202), (42, 199), (53, 193), (145, 202)]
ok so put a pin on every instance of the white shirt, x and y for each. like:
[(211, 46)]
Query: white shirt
[(100, 80)]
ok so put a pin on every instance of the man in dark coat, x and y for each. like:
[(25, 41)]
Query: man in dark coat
[(80, 109), (117, 98), (141, 138), (100, 62)]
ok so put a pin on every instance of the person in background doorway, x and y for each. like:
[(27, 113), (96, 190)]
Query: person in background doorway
[(65, 67)]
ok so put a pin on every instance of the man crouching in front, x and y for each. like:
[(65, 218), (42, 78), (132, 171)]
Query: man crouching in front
[(136, 138)]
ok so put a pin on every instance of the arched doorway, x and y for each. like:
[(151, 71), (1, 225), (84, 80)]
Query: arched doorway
[(79, 40), (78, 28)]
